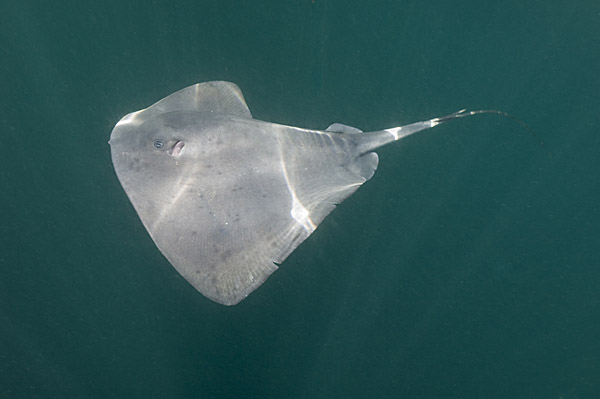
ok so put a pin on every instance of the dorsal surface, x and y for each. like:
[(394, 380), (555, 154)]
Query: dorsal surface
[(225, 197)]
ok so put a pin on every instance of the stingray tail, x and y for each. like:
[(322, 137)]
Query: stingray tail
[(373, 140)]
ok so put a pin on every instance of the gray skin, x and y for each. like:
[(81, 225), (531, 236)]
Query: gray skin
[(225, 197)]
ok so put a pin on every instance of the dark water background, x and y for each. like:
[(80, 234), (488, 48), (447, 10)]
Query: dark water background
[(468, 267)]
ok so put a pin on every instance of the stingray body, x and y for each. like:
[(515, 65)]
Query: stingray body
[(225, 197)]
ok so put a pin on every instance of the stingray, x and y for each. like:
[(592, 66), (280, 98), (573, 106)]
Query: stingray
[(226, 197)]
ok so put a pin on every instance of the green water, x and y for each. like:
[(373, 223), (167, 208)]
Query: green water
[(466, 268)]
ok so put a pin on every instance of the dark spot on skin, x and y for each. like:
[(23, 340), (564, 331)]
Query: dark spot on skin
[(133, 165), (225, 255)]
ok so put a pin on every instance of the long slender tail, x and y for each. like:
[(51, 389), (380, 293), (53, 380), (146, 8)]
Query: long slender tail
[(376, 139)]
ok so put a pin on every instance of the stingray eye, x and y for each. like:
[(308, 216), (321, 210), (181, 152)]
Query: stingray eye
[(158, 144)]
